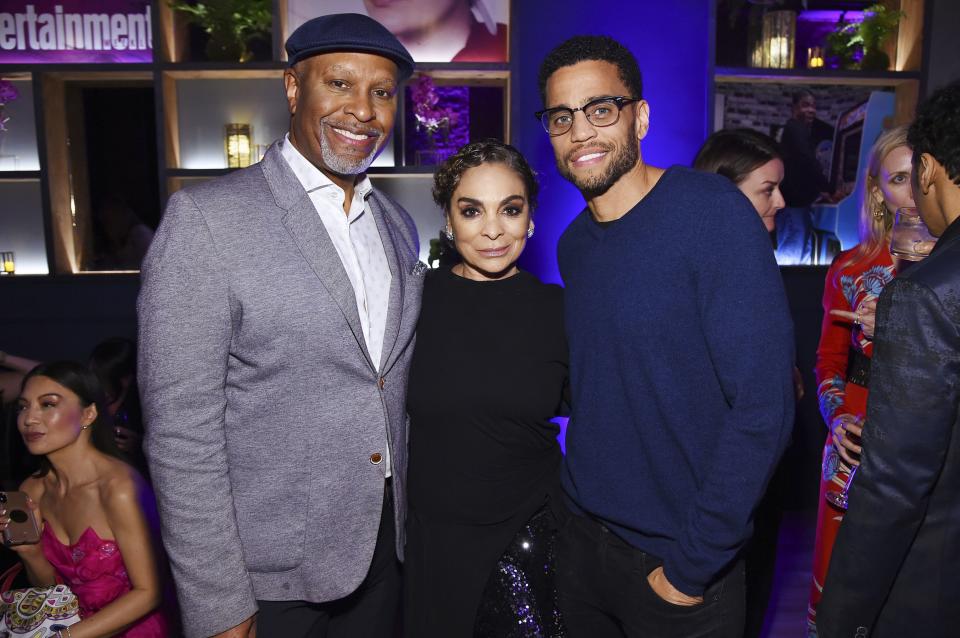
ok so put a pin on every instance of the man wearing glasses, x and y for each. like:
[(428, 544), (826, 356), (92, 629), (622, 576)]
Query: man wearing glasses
[(681, 353)]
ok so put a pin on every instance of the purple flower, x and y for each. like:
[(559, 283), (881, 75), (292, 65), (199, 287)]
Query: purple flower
[(425, 109), (8, 92)]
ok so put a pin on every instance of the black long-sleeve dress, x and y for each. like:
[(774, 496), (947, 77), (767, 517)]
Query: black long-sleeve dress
[(488, 373)]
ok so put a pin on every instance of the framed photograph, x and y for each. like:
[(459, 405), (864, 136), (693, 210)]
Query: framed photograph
[(432, 30)]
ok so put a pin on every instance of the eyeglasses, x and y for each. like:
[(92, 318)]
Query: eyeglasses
[(603, 111)]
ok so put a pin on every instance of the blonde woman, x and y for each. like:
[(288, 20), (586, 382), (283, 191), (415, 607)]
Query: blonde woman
[(854, 281)]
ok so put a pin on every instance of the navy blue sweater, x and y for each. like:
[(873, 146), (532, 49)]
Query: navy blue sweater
[(681, 356)]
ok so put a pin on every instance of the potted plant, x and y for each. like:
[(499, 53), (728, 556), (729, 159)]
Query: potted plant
[(230, 24), (841, 48), (879, 22), (851, 42)]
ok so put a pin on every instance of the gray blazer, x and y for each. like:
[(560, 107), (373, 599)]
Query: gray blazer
[(263, 411)]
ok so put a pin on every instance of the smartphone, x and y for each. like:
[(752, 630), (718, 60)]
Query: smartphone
[(23, 528)]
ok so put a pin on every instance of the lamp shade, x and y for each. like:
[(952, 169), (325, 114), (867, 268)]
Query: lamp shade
[(778, 39)]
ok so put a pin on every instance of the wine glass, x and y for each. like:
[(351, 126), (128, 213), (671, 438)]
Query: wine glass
[(840, 499)]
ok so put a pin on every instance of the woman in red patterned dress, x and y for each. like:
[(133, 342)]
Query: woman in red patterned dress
[(855, 280)]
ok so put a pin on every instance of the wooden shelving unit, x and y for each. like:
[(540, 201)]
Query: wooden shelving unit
[(172, 75), (815, 76), (905, 49)]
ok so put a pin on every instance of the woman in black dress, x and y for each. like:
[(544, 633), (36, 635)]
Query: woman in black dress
[(488, 373)]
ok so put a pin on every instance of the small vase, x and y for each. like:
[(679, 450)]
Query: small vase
[(427, 157), (7, 162)]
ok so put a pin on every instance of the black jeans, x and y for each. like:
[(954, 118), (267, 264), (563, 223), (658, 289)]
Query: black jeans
[(604, 591), (369, 612)]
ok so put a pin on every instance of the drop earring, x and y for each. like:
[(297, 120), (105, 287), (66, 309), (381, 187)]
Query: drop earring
[(530, 232), (879, 209), (447, 233)]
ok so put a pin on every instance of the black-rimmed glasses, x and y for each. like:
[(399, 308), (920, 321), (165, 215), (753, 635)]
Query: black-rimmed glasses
[(603, 111)]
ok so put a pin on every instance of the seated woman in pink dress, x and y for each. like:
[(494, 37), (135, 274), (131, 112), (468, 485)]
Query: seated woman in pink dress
[(93, 507)]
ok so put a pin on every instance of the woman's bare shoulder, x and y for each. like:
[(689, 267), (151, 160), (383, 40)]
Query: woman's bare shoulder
[(121, 483)]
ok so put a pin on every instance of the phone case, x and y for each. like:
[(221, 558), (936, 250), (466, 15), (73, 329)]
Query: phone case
[(23, 528)]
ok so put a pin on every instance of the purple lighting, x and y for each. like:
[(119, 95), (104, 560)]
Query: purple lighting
[(75, 31), (813, 27), (832, 17), (671, 45)]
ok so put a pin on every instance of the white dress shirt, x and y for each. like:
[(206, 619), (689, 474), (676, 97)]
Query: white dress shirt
[(357, 241)]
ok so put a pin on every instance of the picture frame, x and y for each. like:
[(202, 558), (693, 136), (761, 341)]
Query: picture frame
[(462, 31)]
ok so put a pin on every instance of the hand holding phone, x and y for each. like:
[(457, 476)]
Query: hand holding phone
[(19, 522)]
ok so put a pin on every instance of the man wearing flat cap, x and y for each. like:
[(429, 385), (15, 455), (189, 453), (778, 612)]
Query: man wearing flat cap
[(276, 316)]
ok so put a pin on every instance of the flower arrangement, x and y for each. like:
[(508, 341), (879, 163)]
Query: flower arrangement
[(8, 93), (431, 117)]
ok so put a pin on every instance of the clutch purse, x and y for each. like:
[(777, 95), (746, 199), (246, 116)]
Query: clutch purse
[(35, 612)]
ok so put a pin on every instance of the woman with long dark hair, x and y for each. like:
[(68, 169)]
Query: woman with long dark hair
[(95, 510)]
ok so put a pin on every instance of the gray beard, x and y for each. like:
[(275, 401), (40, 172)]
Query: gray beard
[(344, 166), (594, 186)]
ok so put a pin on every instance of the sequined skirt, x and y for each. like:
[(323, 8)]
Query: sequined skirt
[(520, 598)]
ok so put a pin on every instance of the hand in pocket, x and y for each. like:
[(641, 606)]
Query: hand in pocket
[(665, 590)]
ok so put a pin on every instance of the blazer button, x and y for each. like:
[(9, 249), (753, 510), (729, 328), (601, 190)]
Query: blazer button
[(382, 382), (375, 458)]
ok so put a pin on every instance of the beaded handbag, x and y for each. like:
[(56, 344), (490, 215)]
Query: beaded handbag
[(35, 612)]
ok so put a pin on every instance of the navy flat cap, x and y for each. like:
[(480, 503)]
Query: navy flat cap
[(347, 32)]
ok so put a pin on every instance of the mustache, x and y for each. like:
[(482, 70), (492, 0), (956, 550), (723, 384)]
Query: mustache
[(357, 130)]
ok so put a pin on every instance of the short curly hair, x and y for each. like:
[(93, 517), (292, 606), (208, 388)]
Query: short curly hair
[(936, 130), (487, 151), (582, 48)]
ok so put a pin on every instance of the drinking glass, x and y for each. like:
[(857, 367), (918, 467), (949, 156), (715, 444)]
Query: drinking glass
[(909, 238)]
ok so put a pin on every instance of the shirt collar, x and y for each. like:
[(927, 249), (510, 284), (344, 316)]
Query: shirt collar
[(311, 178)]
